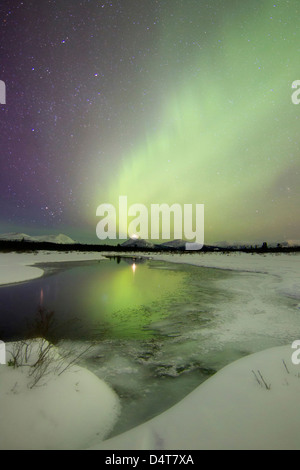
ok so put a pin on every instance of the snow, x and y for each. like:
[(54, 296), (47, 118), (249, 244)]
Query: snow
[(19, 267), (60, 239), (230, 411), (137, 243), (67, 411), (284, 267)]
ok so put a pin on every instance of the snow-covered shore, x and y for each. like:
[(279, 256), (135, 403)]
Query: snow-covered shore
[(234, 409), (19, 267), (286, 267), (231, 411), (16, 267), (67, 411)]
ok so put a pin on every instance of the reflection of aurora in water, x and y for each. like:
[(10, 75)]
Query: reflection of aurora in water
[(156, 333), (128, 300), (107, 300)]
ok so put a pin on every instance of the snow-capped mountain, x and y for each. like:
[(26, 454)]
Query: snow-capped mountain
[(59, 239), (175, 244), (137, 243), (291, 243)]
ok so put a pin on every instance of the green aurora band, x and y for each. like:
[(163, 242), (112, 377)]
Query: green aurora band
[(228, 133)]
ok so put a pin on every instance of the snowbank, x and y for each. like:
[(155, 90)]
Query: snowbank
[(232, 410), (67, 411), (286, 267), (16, 267)]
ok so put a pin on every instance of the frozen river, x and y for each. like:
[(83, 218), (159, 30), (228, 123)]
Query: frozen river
[(156, 330)]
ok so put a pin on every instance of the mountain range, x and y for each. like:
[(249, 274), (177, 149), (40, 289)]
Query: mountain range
[(180, 244), (62, 239), (59, 239)]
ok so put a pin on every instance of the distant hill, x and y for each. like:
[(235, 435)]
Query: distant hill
[(175, 244), (58, 239), (235, 244), (13, 241), (291, 243), (243, 244), (137, 243)]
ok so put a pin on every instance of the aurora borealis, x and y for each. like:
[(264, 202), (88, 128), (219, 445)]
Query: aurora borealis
[(162, 101)]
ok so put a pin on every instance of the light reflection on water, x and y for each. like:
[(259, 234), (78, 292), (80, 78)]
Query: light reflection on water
[(106, 300), (94, 301), (157, 330), (135, 313)]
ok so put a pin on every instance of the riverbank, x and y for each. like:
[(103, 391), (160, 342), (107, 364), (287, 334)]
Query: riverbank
[(20, 267), (252, 404), (16, 267), (249, 404), (46, 403)]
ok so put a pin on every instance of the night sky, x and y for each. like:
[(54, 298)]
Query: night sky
[(164, 101)]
